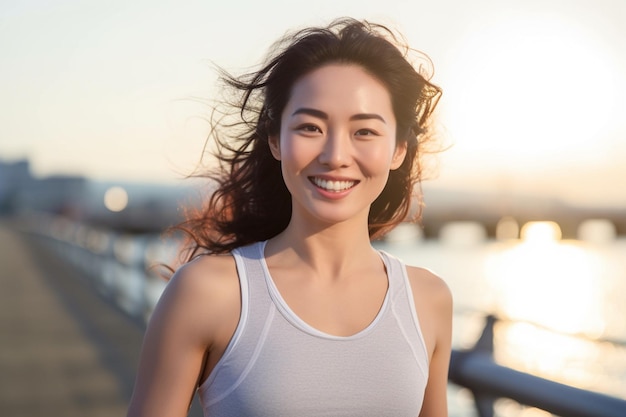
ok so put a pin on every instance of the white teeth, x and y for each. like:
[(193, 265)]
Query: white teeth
[(333, 185)]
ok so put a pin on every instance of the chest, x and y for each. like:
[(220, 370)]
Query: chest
[(294, 373), (341, 313)]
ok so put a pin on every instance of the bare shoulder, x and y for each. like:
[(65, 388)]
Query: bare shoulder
[(433, 305), (195, 315), (200, 292), (430, 287), (212, 276), (209, 272)]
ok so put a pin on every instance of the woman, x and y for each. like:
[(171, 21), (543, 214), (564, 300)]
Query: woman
[(285, 308)]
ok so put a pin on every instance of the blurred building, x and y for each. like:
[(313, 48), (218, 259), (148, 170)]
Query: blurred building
[(20, 191), (14, 176), (150, 208)]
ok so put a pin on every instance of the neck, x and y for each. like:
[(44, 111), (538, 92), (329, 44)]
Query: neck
[(331, 251)]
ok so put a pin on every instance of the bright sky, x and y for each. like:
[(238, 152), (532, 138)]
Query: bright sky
[(534, 91)]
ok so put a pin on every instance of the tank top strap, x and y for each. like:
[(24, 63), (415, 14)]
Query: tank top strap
[(256, 315), (249, 261), (403, 307), (256, 300), (396, 273)]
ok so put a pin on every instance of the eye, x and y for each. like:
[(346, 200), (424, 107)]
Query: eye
[(366, 132), (309, 128)]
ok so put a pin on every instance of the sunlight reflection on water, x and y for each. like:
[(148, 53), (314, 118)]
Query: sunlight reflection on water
[(561, 301), (549, 282)]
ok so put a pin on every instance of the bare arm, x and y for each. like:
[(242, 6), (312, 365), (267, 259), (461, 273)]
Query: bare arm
[(185, 326), (434, 308)]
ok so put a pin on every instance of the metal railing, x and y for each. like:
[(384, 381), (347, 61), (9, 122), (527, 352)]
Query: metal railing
[(476, 370)]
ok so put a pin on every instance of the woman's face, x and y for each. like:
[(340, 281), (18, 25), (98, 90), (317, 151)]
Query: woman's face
[(337, 143)]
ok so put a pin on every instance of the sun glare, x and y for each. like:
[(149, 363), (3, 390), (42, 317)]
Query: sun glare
[(559, 357), (529, 88), (541, 232), (547, 281)]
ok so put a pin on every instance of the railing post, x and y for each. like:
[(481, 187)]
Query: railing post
[(484, 404), (484, 346)]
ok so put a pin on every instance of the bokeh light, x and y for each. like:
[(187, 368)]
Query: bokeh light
[(116, 199)]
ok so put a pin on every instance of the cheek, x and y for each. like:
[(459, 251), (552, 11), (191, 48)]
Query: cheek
[(377, 159), (296, 154)]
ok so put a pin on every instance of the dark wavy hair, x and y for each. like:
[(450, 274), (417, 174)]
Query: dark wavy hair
[(250, 201)]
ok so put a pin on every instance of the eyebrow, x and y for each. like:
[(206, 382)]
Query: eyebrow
[(322, 115)]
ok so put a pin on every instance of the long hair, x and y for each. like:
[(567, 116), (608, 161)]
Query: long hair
[(250, 201)]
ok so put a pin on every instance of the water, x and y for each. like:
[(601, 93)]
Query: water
[(561, 304)]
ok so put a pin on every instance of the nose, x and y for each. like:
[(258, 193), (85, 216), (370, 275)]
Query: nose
[(337, 150)]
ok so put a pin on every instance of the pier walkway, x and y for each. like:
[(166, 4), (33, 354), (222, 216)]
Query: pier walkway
[(64, 349)]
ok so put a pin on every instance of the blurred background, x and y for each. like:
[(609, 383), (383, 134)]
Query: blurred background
[(103, 113)]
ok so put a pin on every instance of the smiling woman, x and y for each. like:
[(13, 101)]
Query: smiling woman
[(285, 308), (531, 90)]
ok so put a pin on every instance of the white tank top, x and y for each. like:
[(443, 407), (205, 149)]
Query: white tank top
[(277, 365)]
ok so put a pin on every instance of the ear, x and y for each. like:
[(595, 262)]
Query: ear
[(274, 142), (398, 155)]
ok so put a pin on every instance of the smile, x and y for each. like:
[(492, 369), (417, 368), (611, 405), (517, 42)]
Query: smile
[(334, 186)]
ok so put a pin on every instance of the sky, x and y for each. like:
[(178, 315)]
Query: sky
[(534, 92)]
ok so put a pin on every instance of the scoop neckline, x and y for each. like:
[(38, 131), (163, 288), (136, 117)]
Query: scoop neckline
[(302, 325)]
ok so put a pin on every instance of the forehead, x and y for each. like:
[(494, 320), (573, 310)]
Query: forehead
[(340, 88)]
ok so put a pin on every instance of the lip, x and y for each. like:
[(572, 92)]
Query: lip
[(332, 194)]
